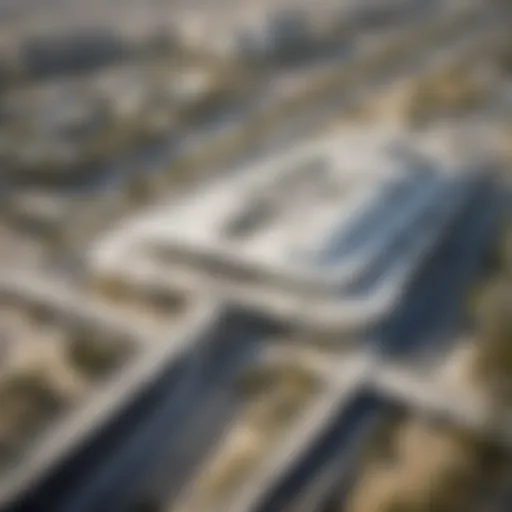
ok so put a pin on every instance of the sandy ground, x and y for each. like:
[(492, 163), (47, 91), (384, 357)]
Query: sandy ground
[(421, 457)]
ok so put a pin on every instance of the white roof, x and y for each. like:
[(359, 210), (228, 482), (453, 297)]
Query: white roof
[(330, 234), (284, 215)]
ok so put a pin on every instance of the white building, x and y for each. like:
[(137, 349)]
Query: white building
[(331, 233)]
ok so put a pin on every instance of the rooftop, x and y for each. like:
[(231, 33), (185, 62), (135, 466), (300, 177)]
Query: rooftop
[(326, 219)]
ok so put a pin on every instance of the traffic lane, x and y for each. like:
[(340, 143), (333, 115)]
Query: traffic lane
[(60, 481), (339, 436), (433, 307), (377, 221), (409, 247), (121, 475), (309, 479)]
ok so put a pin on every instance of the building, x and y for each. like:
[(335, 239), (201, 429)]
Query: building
[(331, 233)]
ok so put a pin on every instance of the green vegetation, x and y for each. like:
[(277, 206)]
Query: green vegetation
[(379, 446), (487, 457), (471, 463), (456, 487), (273, 396), (494, 334), (27, 402), (505, 59), (276, 393), (452, 92), (112, 288), (146, 504), (139, 190), (262, 379), (165, 302), (97, 356), (40, 313), (56, 241), (492, 313)]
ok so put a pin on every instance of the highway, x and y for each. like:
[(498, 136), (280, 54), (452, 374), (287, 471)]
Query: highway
[(432, 311), (450, 269), (113, 466), (159, 354), (371, 232), (126, 448), (259, 491), (436, 312), (338, 441), (73, 307), (425, 396), (430, 308), (145, 426)]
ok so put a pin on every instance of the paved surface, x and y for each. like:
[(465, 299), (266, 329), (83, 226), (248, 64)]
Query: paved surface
[(101, 475), (160, 352), (397, 383)]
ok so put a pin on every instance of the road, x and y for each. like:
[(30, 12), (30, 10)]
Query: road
[(75, 308), (160, 352), (123, 450), (430, 307), (430, 312), (433, 314), (131, 445), (112, 467)]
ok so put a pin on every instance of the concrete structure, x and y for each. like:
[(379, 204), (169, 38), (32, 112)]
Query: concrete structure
[(330, 234), (209, 462), (156, 351)]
